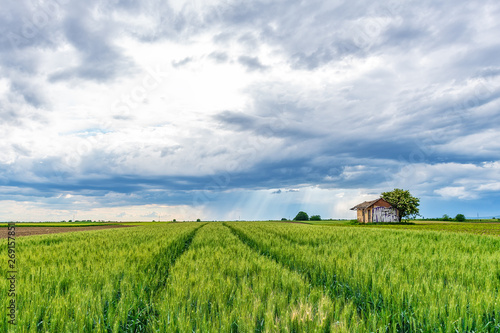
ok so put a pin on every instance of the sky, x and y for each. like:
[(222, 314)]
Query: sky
[(224, 110)]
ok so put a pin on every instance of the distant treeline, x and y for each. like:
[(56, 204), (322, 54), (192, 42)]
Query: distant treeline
[(457, 218)]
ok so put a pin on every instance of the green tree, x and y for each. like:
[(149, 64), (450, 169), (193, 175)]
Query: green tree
[(446, 217), (403, 201), (315, 218), (301, 216), (460, 217)]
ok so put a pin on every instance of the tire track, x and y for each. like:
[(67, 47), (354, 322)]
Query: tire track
[(335, 288), (159, 267)]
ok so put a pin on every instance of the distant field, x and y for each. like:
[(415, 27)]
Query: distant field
[(38, 230), (57, 224), (484, 227), (256, 277), (75, 224)]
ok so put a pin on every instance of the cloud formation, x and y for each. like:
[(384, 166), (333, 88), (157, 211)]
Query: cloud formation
[(211, 105)]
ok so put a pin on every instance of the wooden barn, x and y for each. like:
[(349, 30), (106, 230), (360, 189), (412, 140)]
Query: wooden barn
[(375, 211)]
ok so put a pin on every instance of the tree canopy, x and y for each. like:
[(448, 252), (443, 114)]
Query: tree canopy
[(301, 216), (403, 201)]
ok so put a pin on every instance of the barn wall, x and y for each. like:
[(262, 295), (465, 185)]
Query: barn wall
[(360, 215), (385, 214), (365, 215)]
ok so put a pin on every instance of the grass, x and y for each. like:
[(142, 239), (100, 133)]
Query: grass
[(93, 281), (259, 277), (460, 227), (483, 227), (328, 222), (222, 285), (399, 280)]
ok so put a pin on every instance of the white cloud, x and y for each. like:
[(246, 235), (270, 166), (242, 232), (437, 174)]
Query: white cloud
[(486, 143), (494, 186), (136, 97), (35, 212), (455, 192)]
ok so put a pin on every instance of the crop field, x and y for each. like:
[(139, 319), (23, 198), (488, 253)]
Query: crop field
[(75, 224), (489, 227), (462, 227), (256, 277)]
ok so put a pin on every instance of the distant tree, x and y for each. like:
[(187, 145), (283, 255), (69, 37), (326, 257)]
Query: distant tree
[(403, 201), (174, 220), (301, 216), (284, 219), (446, 217), (198, 220), (315, 218), (460, 217), (70, 221)]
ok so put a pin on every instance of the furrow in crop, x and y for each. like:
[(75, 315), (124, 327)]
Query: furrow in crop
[(95, 281), (222, 285), (411, 280), (139, 317), (367, 305)]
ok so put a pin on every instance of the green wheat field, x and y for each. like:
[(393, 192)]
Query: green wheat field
[(256, 277)]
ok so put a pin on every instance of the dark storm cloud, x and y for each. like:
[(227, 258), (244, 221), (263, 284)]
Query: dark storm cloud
[(100, 60), (31, 27), (251, 63), (220, 57), (29, 92), (269, 125), (404, 83)]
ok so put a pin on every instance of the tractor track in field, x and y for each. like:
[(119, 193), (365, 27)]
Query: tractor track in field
[(159, 261), (160, 266), (357, 296)]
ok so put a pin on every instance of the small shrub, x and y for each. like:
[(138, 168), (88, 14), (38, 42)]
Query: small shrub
[(315, 218), (284, 219)]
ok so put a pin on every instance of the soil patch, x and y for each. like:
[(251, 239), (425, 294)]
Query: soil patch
[(30, 231)]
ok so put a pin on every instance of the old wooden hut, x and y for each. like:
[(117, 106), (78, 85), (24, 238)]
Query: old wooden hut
[(375, 211)]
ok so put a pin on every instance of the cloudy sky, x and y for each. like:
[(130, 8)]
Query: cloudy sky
[(142, 110)]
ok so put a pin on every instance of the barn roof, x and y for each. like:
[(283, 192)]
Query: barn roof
[(367, 204)]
